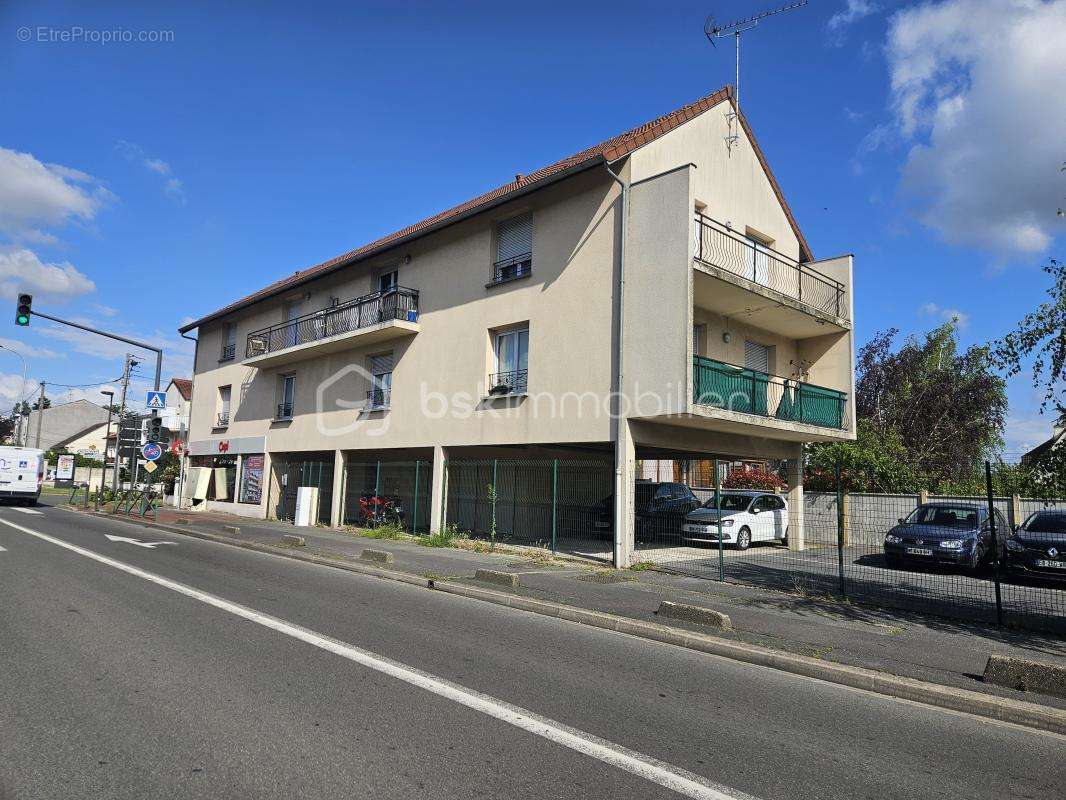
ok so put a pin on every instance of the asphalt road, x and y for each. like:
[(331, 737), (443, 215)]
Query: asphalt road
[(199, 670)]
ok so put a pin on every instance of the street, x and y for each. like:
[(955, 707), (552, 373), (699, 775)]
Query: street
[(140, 665)]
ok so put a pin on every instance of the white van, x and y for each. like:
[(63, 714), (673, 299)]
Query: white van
[(21, 474)]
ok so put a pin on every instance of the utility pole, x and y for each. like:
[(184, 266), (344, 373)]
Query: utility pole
[(40, 416), (107, 438), (121, 418)]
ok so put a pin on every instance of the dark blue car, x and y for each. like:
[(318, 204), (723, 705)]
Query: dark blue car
[(1038, 548), (952, 534)]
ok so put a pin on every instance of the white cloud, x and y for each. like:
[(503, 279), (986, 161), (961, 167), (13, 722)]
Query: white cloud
[(11, 389), (977, 92), (932, 310), (33, 194), (26, 350), (177, 352), (1023, 433), (172, 186), (21, 270), (853, 11)]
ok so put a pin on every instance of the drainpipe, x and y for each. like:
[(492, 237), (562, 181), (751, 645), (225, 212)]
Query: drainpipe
[(620, 489), (179, 487)]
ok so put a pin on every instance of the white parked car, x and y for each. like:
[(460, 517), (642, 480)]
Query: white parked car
[(747, 516)]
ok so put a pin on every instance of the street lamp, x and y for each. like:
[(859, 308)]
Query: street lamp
[(22, 395), (107, 438)]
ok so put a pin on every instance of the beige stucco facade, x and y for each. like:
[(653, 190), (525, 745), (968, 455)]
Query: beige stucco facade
[(569, 301)]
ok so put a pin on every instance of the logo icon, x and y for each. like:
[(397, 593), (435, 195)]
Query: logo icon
[(1053, 552), (223, 446)]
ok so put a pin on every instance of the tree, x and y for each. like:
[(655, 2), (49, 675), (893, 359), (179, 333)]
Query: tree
[(1041, 336), (927, 415), (41, 401)]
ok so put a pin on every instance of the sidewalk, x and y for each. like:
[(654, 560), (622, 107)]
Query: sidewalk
[(942, 651)]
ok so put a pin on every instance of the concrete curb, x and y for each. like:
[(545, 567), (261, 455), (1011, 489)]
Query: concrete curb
[(229, 528), (288, 538), (1017, 712), (380, 556), (1026, 675), (698, 614), (508, 579)]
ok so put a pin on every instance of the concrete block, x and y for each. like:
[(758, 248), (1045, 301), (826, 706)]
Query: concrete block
[(508, 579), (380, 556), (294, 540), (1028, 676), (231, 529), (704, 616)]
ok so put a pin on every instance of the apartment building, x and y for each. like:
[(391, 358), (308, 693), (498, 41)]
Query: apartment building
[(651, 297)]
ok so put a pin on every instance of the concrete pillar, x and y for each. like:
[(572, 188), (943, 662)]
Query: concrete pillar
[(438, 491), (336, 510), (1014, 519), (625, 478), (923, 497), (796, 531), (270, 487), (845, 504)]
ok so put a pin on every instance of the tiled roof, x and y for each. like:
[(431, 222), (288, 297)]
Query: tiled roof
[(184, 387), (610, 150)]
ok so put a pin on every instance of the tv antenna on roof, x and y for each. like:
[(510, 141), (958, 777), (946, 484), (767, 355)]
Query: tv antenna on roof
[(734, 29)]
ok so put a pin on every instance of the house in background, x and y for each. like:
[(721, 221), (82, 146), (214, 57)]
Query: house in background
[(1057, 439), (59, 423)]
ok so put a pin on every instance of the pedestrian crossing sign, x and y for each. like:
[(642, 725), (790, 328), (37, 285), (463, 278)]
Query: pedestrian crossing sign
[(156, 401)]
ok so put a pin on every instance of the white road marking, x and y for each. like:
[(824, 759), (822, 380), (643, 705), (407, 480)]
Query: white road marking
[(24, 510), (138, 542), (3, 549), (650, 769)]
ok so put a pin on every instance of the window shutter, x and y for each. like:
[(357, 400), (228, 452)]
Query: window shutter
[(515, 238), (756, 356), (379, 365)]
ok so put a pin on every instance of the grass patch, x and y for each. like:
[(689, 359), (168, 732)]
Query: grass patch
[(387, 531), (642, 566), (448, 537)]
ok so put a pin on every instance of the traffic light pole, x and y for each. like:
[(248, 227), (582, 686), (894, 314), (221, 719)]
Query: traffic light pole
[(158, 352)]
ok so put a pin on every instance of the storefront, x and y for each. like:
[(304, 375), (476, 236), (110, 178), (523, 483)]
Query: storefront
[(227, 475)]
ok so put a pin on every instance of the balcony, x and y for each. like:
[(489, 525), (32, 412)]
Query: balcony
[(284, 412), (803, 300), (511, 269), (502, 384), (372, 318), (229, 352), (378, 399), (222, 419), (747, 391)]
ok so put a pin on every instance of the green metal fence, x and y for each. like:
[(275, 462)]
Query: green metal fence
[(405, 485), (561, 504)]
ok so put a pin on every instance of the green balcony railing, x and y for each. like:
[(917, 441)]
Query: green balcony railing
[(715, 383)]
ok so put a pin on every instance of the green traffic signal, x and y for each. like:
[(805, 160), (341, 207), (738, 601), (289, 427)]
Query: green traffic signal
[(24, 309)]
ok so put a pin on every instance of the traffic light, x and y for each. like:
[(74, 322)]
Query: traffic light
[(25, 308), (155, 428)]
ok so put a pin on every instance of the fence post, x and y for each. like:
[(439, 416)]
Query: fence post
[(995, 544), (1015, 510), (377, 480), (555, 501), (840, 532), (414, 513), (492, 499), (718, 512)]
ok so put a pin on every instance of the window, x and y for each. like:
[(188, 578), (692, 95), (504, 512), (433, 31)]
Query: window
[(758, 257), (756, 356), (291, 312), (222, 416), (514, 249), (697, 340), (388, 281), (229, 341), (510, 353), (286, 396), (380, 394)]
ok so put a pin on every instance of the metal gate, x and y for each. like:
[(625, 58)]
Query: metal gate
[(290, 474)]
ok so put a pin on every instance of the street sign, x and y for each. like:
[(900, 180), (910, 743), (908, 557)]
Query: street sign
[(151, 451), (149, 467), (156, 401)]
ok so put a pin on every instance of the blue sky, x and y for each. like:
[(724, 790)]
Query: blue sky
[(146, 183)]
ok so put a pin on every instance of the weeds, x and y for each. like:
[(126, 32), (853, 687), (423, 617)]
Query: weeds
[(642, 566), (389, 530), (446, 537)]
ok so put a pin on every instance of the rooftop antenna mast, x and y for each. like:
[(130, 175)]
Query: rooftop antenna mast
[(715, 31)]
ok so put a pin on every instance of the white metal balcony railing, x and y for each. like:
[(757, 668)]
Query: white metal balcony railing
[(400, 303), (719, 246)]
